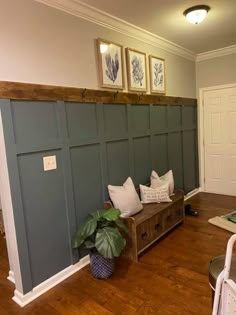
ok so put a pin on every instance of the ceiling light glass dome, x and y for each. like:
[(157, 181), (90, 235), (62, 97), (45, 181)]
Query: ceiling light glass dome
[(197, 14)]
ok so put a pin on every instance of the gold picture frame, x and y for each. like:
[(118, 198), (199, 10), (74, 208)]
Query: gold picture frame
[(110, 64), (136, 70), (157, 75)]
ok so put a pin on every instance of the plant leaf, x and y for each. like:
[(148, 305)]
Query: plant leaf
[(121, 225), (109, 242), (98, 214), (89, 244), (85, 231), (111, 214)]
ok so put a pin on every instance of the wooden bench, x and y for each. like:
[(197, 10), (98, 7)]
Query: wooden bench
[(150, 224)]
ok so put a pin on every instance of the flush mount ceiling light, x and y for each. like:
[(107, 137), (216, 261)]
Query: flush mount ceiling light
[(197, 14)]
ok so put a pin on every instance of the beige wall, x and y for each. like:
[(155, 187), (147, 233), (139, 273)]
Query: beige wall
[(216, 71), (40, 44)]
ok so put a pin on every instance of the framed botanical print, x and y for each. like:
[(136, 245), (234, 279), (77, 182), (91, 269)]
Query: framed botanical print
[(157, 75), (110, 64), (136, 69)]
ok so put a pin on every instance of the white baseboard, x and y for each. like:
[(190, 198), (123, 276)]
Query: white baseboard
[(11, 276), (192, 193), (24, 299)]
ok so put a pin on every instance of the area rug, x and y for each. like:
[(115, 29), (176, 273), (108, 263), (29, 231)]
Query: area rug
[(224, 222)]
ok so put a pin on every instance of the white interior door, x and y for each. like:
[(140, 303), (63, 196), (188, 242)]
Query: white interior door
[(220, 140)]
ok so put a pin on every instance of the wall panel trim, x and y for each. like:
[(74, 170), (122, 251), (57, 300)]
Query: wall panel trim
[(28, 91), (95, 143)]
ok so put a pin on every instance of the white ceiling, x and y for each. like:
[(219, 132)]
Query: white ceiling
[(165, 18)]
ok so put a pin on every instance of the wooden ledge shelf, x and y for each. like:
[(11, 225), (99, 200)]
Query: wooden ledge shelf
[(26, 91)]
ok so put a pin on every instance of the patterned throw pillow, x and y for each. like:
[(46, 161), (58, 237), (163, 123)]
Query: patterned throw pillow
[(152, 195)]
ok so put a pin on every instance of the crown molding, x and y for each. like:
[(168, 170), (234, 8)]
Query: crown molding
[(216, 53), (94, 15)]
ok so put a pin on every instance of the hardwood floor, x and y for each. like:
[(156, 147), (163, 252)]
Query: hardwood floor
[(171, 278)]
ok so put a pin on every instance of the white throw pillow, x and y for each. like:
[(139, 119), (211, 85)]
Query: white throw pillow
[(150, 195), (157, 181), (125, 198)]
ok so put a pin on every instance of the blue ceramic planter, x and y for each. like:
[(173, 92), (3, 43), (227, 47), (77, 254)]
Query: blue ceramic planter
[(101, 267)]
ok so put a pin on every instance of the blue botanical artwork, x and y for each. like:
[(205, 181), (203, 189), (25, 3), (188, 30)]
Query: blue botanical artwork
[(137, 77), (112, 66), (137, 70), (158, 74)]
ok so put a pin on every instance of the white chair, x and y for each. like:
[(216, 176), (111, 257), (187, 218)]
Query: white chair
[(225, 292)]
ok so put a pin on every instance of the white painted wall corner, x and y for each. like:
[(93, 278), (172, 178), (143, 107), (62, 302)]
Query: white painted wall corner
[(24, 299)]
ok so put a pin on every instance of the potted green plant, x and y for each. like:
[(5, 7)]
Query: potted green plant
[(101, 235)]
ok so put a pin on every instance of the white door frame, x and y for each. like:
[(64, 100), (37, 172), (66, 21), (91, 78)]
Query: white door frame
[(201, 129)]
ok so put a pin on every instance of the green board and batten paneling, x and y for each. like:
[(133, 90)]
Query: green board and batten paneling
[(95, 145)]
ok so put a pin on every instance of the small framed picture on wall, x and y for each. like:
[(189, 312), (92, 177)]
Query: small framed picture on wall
[(110, 64), (157, 75), (137, 71)]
